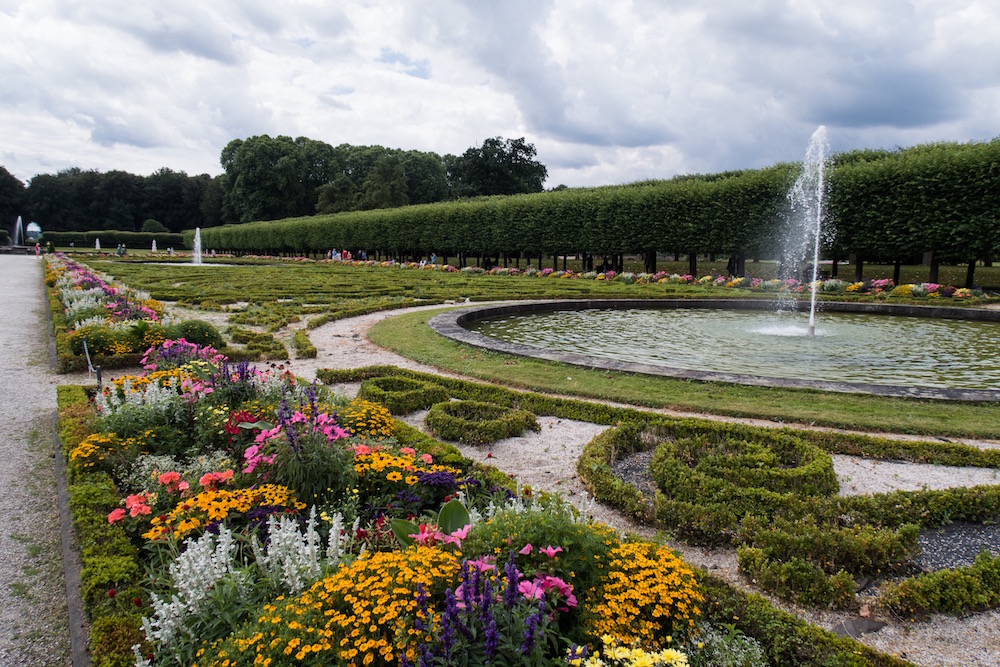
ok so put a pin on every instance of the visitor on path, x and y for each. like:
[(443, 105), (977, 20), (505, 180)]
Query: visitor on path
[(38, 251)]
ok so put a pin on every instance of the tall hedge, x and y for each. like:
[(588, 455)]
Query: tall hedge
[(882, 204), (111, 238)]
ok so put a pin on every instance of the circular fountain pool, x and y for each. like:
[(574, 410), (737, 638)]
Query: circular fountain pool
[(898, 354)]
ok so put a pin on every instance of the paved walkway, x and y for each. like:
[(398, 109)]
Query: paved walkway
[(33, 617)]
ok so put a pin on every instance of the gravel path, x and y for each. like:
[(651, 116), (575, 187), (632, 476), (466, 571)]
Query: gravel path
[(33, 617)]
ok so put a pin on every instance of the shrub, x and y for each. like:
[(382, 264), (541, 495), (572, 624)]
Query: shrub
[(304, 349), (647, 595), (402, 395), (796, 579), (959, 591), (364, 419), (476, 422)]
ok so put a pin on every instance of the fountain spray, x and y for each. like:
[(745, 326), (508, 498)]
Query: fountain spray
[(807, 203)]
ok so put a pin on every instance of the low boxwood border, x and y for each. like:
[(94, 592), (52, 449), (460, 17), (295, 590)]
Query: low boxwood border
[(304, 349), (959, 591), (402, 395), (864, 535), (478, 422)]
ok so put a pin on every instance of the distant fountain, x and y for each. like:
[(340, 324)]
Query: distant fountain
[(196, 253), (806, 198), (18, 232), (97, 244), (154, 245)]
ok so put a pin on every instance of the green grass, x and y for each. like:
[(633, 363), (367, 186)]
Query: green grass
[(410, 336)]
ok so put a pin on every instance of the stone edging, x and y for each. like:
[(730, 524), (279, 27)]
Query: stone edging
[(449, 324)]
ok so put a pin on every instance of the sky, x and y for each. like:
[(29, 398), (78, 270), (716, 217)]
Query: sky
[(608, 92)]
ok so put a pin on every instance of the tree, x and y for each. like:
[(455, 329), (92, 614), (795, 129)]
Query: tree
[(498, 167), (265, 178), (11, 198), (385, 186)]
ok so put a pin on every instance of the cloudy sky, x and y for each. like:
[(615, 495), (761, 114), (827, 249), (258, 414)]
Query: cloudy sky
[(608, 92)]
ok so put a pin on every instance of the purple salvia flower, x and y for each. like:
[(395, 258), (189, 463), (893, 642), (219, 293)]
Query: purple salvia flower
[(531, 628)]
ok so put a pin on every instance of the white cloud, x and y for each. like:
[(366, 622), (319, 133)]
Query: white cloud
[(608, 93)]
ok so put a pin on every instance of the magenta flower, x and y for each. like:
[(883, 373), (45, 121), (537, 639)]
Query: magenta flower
[(527, 549), (549, 551)]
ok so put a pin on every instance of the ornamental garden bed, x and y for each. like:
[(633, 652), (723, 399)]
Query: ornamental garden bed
[(227, 515)]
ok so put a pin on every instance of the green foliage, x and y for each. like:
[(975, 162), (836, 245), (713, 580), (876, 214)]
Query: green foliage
[(860, 550), (304, 349), (477, 422), (786, 639), (112, 638), (262, 346), (402, 395), (797, 579), (959, 591)]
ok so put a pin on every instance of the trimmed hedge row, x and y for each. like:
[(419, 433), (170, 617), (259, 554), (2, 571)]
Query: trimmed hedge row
[(111, 238), (478, 422), (787, 640), (891, 205), (402, 395), (861, 536), (958, 591), (304, 349), (111, 573)]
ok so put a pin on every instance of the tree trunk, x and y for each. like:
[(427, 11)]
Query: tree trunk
[(650, 261), (935, 268), (970, 274), (859, 267), (895, 271), (693, 265), (833, 268), (564, 263)]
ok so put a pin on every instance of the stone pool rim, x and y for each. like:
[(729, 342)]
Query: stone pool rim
[(450, 325)]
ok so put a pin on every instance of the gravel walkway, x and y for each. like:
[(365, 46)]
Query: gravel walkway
[(34, 625)]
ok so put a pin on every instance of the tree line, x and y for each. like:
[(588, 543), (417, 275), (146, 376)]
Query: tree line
[(268, 178)]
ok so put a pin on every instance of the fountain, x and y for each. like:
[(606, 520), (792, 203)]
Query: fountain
[(97, 244), (806, 198), (18, 232), (154, 245), (739, 340), (196, 252)]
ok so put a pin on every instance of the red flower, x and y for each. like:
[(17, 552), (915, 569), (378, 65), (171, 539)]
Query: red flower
[(112, 593)]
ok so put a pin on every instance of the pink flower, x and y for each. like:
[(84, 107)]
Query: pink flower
[(531, 590), (457, 536), (135, 499), (426, 458), (427, 536), (361, 450), (139, 509), (407, 451), (484, 564), (116, 515), (527, 549), (549, 551)]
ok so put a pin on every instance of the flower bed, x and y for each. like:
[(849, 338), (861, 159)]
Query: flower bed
[(228, 515), (116, 322)]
